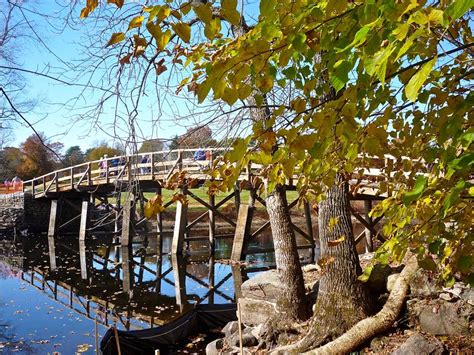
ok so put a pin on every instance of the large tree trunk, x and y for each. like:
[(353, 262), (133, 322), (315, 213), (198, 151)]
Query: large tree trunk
[(292, 301), (342, 299)]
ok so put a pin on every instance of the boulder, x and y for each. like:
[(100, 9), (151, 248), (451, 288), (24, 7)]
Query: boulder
[(418, 344), (231, 328), (378, 278), (439, 317), (422, 285), (215, 347), (248, 340), (256, 312), (264, 286)]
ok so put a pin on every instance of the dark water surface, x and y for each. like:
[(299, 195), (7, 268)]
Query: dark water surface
[(44, 311)]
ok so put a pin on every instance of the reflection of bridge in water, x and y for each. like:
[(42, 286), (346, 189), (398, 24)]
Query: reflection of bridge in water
[(124, 286), (116, 189)]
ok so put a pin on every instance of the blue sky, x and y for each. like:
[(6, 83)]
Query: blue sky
[(51, 114)]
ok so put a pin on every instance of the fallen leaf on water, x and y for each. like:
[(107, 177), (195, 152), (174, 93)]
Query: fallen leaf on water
[(82, 348)]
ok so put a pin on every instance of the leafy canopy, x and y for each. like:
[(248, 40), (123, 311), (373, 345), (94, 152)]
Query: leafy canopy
[(401, 72)]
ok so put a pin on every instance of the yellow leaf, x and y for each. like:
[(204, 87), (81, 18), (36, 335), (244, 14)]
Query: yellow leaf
[(333, 243), (118, 3), (230, 95), (204, 12), (183, 31), (417, 80), (116, 38), (436, 17), (265, 83), (90, 6), (161, 38), (153, 206), (135, 22)]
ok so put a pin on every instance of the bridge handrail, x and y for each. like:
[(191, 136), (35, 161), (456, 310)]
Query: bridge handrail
[(86, 164)]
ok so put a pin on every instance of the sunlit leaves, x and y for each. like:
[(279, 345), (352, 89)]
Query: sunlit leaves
[(90, 6), (153, 206), (116, 38), (458, 8), (415, 83), (135, 22), (161, 38), (413, 195), (183, 31), (118, 3)]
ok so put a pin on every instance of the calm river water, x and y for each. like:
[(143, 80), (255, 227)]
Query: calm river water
[(46, 312)]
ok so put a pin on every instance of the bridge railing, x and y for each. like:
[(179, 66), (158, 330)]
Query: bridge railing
[(161, 165), (146, 166)]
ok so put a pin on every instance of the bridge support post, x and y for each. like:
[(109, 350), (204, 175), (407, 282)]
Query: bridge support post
[(179, 275), (126, 239), (212, 223), (368, 233), (179, 228), (53, 216), (159, 228), (242, 232), (237, 197), (82, 237), (309, 227), (127, 268)]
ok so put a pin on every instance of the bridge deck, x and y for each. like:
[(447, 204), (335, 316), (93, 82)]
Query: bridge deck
[(151, 167)]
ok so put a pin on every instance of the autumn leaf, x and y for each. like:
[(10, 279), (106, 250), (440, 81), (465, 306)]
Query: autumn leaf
[(183, 31), (335, 242), (90, 6), (118, 3), (417, 80), (135, 22), (116, 38)]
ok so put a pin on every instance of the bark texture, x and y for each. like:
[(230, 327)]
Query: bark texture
[(342, 299), (367, 328), (293, 303), (286, 254)]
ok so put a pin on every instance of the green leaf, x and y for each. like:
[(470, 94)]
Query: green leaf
[(267, 7), (420, 186), (340, 76), (453, 196), (417, 80), (359, 38), (458, 8), (366, 274), (183, 31), (116, 38), (299, 42)]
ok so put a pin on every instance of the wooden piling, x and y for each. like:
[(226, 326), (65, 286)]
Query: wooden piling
[(309, 228), (242, 232), (127, 268), (179, 228), (159, 227), (212, 223), (126, 238), (82, 238), (179, 275), (368, 233), (53, 216)]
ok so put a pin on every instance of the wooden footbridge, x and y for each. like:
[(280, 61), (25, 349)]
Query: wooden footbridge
[(116, 188)]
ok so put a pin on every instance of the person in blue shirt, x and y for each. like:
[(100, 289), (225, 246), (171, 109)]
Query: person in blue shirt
[(199, 154)]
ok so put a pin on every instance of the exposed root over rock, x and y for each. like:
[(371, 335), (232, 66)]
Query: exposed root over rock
[(368, 327)]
